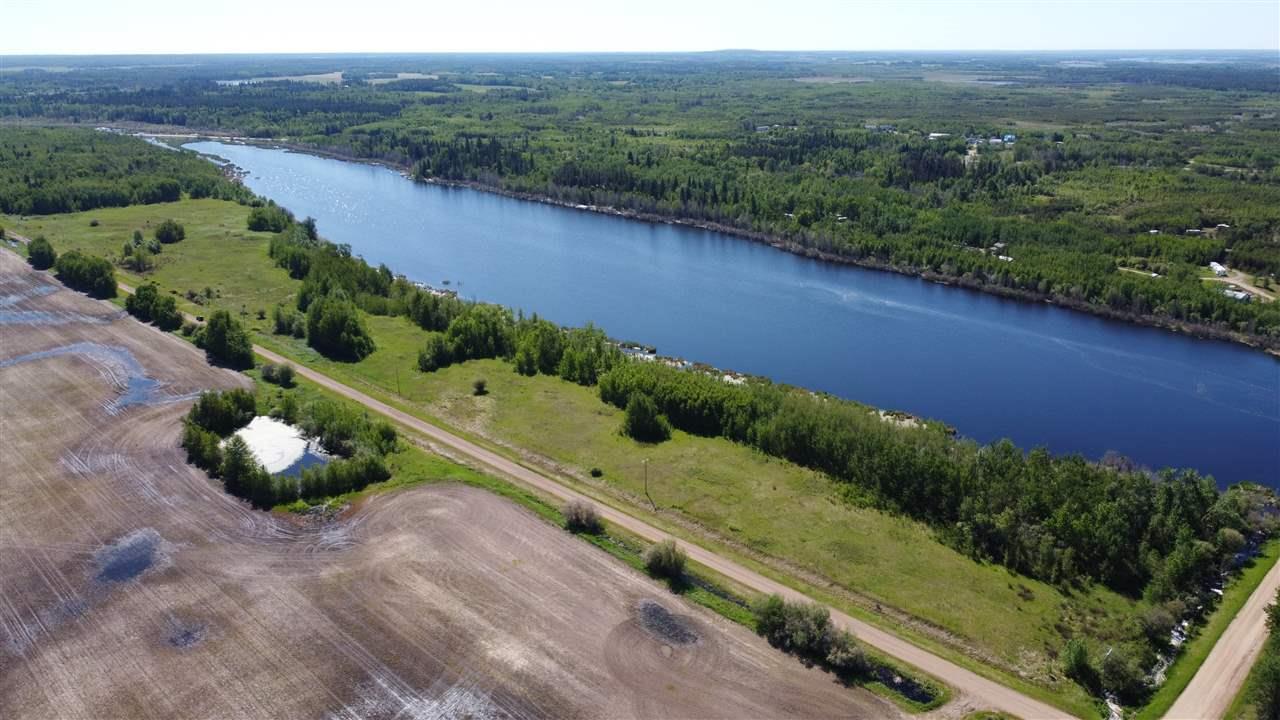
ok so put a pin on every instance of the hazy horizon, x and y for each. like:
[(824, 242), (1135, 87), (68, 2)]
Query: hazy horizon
[(712, 51), (150, 27)]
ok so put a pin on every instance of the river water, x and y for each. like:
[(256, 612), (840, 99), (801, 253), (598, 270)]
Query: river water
[(993, 368)]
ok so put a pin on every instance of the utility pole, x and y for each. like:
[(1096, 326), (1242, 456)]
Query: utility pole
[(645, 462)]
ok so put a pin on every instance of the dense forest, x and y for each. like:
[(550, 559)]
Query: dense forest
[(58, 171), (1106, 186)]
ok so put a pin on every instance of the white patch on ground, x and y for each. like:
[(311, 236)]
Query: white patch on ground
[(380, 700), (275, 444), (511, 654)]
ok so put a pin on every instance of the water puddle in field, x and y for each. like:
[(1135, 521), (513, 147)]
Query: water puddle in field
[(659, 622), (131, 556), (118, 366), (904, 686), (281, 448), (14, 295), (26, 293)]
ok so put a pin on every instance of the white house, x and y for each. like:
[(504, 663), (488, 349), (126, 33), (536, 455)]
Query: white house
[(1218, 269)]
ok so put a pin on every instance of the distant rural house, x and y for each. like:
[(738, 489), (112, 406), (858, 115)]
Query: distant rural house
[(1194, 231), (938, 135), (1218, 269), (1223, 226), (1239, 295), (1010, 138), (1153, 231)]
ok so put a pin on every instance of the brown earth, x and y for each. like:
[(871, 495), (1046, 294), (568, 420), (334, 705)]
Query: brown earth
[(132, 586)]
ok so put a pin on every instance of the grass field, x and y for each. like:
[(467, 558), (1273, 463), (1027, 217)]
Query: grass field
[(783, 518), (218, 251), (1234, 596)]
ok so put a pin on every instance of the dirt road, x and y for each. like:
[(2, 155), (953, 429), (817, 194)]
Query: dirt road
[(983, 692), (1223, 673), (1235, 277)]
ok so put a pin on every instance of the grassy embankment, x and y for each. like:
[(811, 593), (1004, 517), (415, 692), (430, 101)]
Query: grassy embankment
[(1234, 596), (788, 522)]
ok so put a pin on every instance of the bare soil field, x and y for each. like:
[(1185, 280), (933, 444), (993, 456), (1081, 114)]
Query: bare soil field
[(132, 586)]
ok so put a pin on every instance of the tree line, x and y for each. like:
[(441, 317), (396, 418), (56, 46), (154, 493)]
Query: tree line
[(1060, 519)]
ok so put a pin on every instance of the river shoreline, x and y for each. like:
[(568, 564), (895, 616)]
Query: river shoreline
[(1195, 330)]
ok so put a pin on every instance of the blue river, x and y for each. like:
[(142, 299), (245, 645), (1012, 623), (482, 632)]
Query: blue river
[(993, 368)]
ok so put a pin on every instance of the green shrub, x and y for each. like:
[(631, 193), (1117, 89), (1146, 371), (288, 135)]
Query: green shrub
[(226, 341), (846, 656), (1157, 624), (805, 628), (223, 412), (665, 559), (643, 422), (140, 303), (93, 275), (1122, 676), (1077, 666), (165, 313), (140, 260), (286, 410), (434, 354), (202, 446), (1266, 686), (479, 386), (334, 328), (281, 374), (170, 231), (581, 516), (269, 218), (41, 254)]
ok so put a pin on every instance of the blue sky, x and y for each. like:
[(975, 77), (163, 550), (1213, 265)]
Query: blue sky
[(152, 26)]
